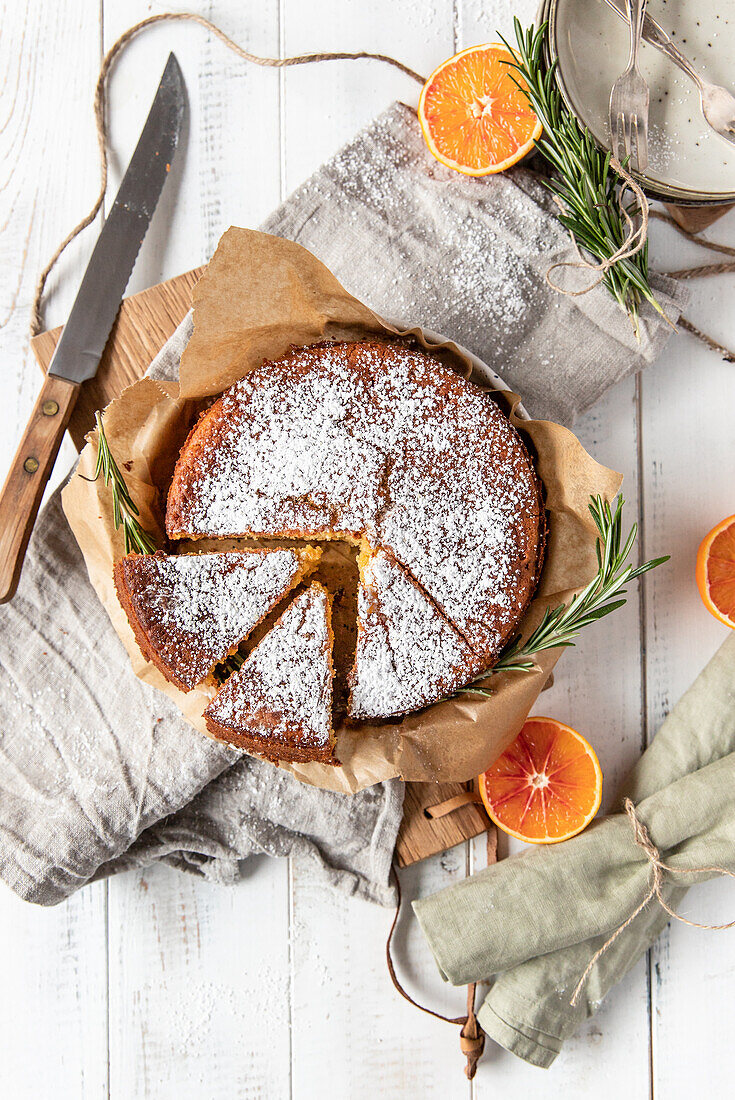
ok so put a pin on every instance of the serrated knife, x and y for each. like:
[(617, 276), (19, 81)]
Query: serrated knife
[(85, 334)]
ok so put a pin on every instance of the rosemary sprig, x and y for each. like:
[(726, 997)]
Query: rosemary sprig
[(585, 184), (124, 512), (603, 595)]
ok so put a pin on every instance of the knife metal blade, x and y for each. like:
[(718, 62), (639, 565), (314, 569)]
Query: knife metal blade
[(85, 334), (96, 305)]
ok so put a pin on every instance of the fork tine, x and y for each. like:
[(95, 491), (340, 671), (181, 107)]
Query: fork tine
[(627, 123), (631, 141), (618, 137), (641, 137)]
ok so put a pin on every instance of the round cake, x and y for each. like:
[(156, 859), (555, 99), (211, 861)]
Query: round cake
[(381, 445)]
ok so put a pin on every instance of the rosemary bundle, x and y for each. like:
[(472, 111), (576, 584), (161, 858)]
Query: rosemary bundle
[(604, 594), (586, 186)]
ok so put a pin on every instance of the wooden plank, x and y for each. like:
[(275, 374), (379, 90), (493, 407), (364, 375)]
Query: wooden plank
[(199, 992), (53, 1009), (352, 1034), (597, 690), (351, 94), (421, 836), (44, 139), (227, 170), (199, 974), (689, 455)]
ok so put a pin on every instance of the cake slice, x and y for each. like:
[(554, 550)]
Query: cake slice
[(279, 703), (408, 654), (189, 611)]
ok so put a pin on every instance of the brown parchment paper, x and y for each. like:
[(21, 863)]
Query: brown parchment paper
[(259, 295)]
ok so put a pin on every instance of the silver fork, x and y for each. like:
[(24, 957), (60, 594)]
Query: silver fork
[(717, 103), (629, 100)]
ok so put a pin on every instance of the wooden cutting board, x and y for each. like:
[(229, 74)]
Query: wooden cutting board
[(143, 325)]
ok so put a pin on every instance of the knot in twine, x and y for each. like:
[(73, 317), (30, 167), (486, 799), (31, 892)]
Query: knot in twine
[(657, 871), (633, 242)]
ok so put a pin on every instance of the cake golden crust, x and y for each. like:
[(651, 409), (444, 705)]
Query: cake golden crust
[(377, 442)]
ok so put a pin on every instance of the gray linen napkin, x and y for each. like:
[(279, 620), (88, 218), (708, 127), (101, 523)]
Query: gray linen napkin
[(98, 772), (468, 258)]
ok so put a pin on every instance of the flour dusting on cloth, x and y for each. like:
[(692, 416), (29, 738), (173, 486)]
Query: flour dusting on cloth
[(465, 257)]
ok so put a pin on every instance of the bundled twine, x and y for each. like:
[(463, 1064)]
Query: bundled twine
[(657, 870), (634, 241), (635, 238)]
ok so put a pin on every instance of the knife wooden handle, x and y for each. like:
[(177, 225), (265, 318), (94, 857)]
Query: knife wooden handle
[(34, 460)]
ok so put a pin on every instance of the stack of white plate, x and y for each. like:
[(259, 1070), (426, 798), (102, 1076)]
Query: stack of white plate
[(688, 161)]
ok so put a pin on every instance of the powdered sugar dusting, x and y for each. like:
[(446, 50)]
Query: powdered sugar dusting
[(195, 608), (283, 692), (408, 655), (472, 545), (381, 441)]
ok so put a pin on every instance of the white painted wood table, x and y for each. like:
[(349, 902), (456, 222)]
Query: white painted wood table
[(159, 985)]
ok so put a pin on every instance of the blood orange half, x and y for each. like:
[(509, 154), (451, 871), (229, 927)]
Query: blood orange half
[(546, 786), (716, 571)]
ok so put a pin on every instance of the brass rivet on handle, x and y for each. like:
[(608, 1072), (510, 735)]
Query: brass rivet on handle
[(30, 465), (50, 408)]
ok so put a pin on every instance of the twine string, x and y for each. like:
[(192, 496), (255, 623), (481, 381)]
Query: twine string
[(634, 241), (702, 271), (727, 354), (100, 98), (471, 1037), (657, 871)]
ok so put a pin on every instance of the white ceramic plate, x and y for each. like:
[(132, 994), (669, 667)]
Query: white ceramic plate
[(687, 159)]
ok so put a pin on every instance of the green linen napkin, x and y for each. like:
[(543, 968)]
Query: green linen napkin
[(536, 919)]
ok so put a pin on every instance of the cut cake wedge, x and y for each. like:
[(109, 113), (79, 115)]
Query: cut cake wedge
[(408, 654), (279, 703), (189, 611)]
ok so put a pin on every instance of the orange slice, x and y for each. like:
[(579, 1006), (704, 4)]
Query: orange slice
[(716, 571), (546, 787), (474, 116)]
